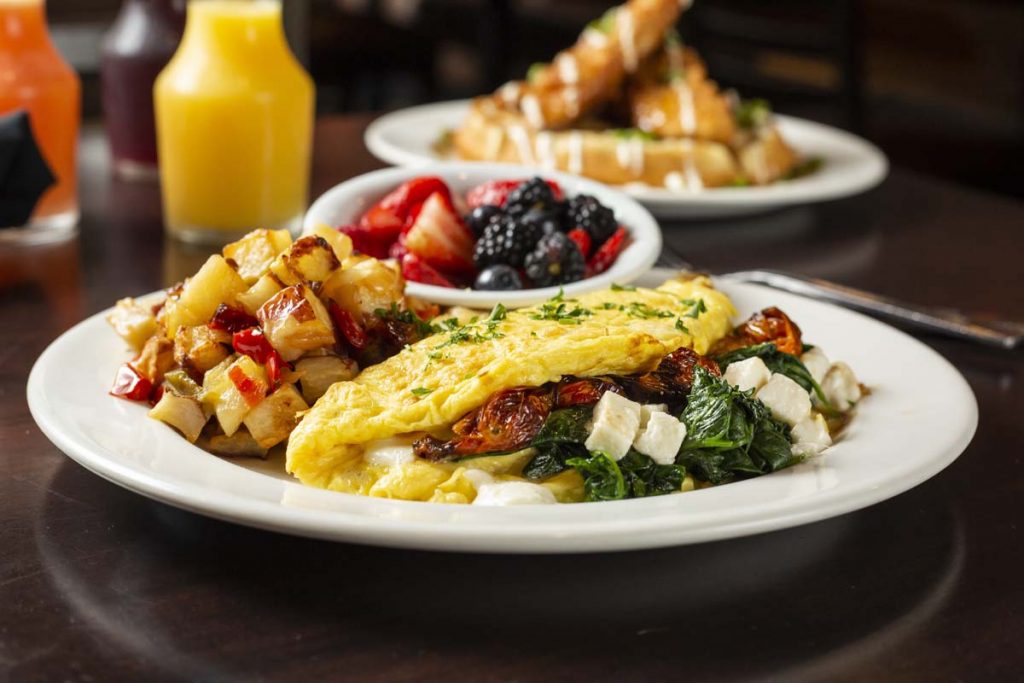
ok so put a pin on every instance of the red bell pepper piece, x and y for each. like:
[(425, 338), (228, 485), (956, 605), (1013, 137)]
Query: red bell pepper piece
[(231, 319), (129, 384), (349, 328), (252, 343)]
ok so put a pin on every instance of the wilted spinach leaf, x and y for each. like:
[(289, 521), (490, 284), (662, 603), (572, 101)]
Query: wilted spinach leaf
[(560, 438), (602, 478), (777, 361), (644, 477), (729, 433)]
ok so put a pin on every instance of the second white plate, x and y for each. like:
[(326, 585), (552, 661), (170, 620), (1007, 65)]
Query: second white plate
[(851, 165)]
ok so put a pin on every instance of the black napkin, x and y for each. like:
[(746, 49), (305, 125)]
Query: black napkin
[(24, 174)]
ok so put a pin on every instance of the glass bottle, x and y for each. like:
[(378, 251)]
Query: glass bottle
[(35, 78), (135, 49), (234, 115)]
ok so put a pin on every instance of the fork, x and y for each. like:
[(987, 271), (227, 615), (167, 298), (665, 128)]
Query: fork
[(1003, 334)]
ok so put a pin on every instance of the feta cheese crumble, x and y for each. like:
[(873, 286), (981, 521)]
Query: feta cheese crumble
[(503, 493), (787, 400), (661, 438), (614, 425), (748, 374)]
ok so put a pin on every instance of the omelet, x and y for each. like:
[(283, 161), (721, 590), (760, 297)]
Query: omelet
[(433, 383)]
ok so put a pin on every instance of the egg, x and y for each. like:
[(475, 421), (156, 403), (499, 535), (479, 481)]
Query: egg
[(433, 383)]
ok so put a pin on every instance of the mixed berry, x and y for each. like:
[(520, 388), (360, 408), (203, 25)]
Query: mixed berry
[(512, 234)]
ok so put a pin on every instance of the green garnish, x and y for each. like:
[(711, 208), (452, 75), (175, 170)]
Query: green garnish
[(805, 168), (697, 306), (408, 317), (534, 71), (753, 113), (475, 331), (557, 309), (681, 326), (421, 391), (622, 288), (638, 309)]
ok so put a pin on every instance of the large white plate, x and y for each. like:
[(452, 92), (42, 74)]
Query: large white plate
[(851, 164), (919, 418)]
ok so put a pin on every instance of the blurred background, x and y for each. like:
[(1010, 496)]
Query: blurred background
[(938, 84)]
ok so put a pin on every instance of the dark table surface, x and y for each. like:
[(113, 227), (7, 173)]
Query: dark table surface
[(97, 583)]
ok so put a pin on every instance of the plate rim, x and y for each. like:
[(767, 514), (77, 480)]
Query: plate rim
[(562, 536), (738, 199)]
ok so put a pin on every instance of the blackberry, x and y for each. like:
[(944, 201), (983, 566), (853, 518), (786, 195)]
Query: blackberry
[(506, 241), (555, 261), (547, 221), (498, 278), (530, 194), (482, 216), (584, 211)]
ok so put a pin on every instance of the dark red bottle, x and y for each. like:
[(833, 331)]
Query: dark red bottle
[(135, 50)]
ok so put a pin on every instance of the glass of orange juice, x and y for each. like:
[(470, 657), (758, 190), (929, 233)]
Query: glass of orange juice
[(234, 118), (36, 79)]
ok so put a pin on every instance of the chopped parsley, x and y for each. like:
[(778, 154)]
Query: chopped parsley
[(681, 326), (697, 306), (474, 332), (622, 288), (421, 391), (557, 308), (406, 316)]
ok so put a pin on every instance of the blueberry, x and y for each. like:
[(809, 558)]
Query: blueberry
[(479, 218), (498, 278)]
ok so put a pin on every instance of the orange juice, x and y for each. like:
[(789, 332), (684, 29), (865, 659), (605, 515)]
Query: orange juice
[(234, 118), (34, 77)]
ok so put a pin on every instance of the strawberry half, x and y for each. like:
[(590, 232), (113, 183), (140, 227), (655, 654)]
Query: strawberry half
[(582, 239), (392, 213), (440, 238), (495, 192), (604, 257), (368, 241), (417, 270)]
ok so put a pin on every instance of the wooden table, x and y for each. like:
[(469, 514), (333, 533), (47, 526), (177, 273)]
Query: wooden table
[(97, 583)]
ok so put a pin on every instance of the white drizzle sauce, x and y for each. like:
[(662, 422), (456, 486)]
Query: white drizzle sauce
[(509, 93), (627, 39), (684, 93), (531, 109), (569, 74), (630, 155), (575, 141), (522, 141), (546, 151), (693, 181), (594, 38)]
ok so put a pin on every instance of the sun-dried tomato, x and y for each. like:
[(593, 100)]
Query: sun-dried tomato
[(582, 392), (351, 330), (671, 381), (769, 325), (507, 422)]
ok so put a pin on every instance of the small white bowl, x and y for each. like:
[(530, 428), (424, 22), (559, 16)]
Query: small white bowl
[(344, 203)]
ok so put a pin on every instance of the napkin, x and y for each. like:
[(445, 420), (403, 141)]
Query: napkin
[(24, 174)]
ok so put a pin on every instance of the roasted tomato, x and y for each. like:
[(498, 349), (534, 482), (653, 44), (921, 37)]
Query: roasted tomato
[(671, 381), (507, 422), (582, 392), (231, 319), (131, 385), (769, 325)]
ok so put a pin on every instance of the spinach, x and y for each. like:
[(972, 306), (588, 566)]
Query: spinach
[(644, 477), (560, 439), (729, 433), (634, 476), (602, 478), (777, 361)]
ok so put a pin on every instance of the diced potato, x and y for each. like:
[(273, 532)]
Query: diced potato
[(275, 417), (295, 321), (133, 322), (237, 445), (317, 373), (310, 259), (198, 348), (156, 358), (181, 412), (256, 251), (339, 241), (216, 283), (223, 396), (364, 287), (257, 295)]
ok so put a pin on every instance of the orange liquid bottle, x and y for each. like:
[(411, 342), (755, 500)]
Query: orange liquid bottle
[(35, 78)]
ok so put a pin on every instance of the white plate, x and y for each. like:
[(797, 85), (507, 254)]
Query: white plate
[(344, 203), (919, 418), (851, 164)]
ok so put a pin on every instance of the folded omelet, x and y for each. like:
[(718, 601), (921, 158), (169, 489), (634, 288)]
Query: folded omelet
[(433, 383)]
